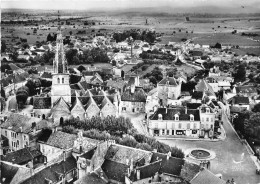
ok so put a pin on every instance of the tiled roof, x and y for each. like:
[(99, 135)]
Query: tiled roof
[(193, 105), (22, 156), (234, 109), (204, 86), (189, 170), (74, 86), (114, 170), (91, 178), (8, 172), (116, 84), (246, 89), (169, 80), (41, 102), (61, 140), (205, 176), (52, 172), (197, 95), (138, 95), (241, 100), (147, 171), (171, 166), (46, 75), (121, 154), (171, 112), (18, 123)]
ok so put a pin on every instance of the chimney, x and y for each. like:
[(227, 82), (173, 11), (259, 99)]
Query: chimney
[(168, 155), (64, 155), (131, 164), (138, 176), (186, 110)]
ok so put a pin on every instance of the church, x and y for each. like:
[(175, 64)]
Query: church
[(65, 101)]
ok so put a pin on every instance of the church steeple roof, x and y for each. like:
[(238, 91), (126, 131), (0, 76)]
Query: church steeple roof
[(60, 62)]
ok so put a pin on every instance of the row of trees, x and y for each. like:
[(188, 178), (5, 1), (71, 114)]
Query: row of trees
[(247, 124), (154, 76), (156, 54), (136, 34), (94, 55), (121, 130)]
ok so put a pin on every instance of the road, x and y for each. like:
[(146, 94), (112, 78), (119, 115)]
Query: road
[(137, 121), (232, 157)]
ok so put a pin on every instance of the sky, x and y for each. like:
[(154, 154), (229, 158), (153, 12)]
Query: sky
[(121, 4)]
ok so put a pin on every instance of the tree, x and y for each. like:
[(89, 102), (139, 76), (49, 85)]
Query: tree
[(81, 68), (256, 108), (3, 46), (22, 95), (240, 74), (70, 55)]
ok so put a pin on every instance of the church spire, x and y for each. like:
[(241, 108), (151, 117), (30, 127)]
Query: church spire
[(60, 62)]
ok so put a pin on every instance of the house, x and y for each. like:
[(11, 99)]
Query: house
[(203, 86), (240, 102), (169, 90), (133, 100), (183, 122), (19, 130), (206, 176), (247, 91), (60, 144), (24, 156), (64, 171), (92, 78)]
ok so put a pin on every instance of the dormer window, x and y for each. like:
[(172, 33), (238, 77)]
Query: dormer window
[(207, 110), (159, 117), (176, 117), (191, 117)]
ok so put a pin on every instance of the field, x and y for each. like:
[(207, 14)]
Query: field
[(203, 30), (246, 51)]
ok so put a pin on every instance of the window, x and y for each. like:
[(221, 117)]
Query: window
[(211, 126), (191, 117), (168, 132), (17, 143), (58, 80), (207, 119), (207, 126), (207, 110), (62, 80), (188, 126), (202, 125), (172, 132), (24, 137), (159, 117), (6, 133), (179, 125), (211, 119), (176, 117), (163, 131), (195, 126)]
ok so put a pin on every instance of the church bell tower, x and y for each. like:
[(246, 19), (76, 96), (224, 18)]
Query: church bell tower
[(60, 76)]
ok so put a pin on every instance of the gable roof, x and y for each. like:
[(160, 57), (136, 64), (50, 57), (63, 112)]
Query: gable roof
[(204, 86), (246, 89), (121, 154), (169, 114), (61, 140), (170, 166), (205, 176), (114, 170), (18, 123), (91, 178), (41, 102), (22, 156), (138, 95), (78, 103), (241, 100), (8, 172), (197, 95), (47, 75), (168, 81), (60, 102), (52, 172)]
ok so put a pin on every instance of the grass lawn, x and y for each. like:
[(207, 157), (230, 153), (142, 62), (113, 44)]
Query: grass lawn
[(244, 51)]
